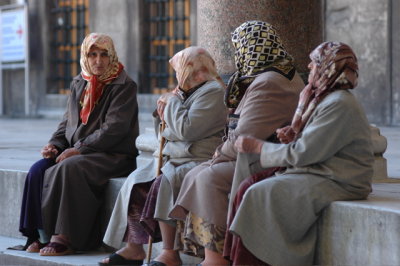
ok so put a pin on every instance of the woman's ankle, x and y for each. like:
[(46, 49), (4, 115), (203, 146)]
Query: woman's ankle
[(132, 251), (213, 258), (169, 257)]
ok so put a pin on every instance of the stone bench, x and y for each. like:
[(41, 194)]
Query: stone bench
[(362, 232), (350, 232), (11, 189)]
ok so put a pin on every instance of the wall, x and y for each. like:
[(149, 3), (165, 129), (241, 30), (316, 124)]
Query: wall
[(394, 8), (364, 25), (121, 20)]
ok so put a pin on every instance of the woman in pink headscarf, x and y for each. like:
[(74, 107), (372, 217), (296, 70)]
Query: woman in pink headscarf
[(326, 156), (195, 116), (94, 142)]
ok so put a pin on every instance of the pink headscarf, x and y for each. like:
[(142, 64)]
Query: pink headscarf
[(336, 69), (193, 66)]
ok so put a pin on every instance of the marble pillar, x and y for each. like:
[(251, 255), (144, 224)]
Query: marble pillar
[(299, 24)]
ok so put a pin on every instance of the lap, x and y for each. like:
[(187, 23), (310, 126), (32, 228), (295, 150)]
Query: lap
[(212, 174), (95, 168)]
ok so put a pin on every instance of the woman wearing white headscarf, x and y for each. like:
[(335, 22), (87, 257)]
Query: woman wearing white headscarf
[(94, 142), (327, 155), (195, 117)]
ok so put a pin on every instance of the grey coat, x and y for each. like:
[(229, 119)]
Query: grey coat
[(73, 189), (194, 129), (331, 160)]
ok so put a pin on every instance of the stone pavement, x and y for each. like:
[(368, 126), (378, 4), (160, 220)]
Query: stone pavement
[(22, 139)]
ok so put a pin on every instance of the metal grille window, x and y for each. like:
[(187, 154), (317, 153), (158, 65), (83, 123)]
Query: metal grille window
[(70, 25), (169, 33)]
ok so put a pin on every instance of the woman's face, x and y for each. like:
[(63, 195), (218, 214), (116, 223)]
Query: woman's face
[(98, 60)]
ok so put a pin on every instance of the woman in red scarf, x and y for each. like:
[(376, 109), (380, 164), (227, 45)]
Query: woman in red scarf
[(94, 142)]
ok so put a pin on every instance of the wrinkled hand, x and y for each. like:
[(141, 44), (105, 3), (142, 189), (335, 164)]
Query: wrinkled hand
[(66, 154), (49, 151), (162, 102), (285, 134), (248, 144)]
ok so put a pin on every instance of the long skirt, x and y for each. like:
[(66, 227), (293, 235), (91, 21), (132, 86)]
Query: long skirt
[(141, 223), (135, 233), (234, 250), (67, 197), (31, 209)]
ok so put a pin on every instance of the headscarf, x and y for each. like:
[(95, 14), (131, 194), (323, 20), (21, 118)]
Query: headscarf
[(337, 69), (258, 49), (194, 66), (96, 84)]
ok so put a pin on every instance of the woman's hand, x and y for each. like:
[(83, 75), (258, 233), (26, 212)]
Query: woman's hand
[(49, 151), (285, 134), (248, 144), (66, 154), (162, 102)]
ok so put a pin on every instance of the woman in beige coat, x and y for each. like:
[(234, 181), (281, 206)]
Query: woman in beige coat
[(262, 95)]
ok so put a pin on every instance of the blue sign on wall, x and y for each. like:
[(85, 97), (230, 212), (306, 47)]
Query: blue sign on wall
[(12, 35)]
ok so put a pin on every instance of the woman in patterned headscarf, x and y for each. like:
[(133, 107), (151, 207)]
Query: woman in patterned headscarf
[(327, 154), (94, 142), (195, 118), (262, 97)]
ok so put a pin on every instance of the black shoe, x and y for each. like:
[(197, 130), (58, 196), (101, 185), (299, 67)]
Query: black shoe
[(156, 263), (116, 259)]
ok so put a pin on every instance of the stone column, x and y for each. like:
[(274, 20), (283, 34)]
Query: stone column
[(299, 24)]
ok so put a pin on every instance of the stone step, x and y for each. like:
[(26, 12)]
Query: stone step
[(16, 257), (362, 232), (365, 232)]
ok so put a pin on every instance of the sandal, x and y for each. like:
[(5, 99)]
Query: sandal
[(35, 246), (60, 250), (116, 259), (156, 263)]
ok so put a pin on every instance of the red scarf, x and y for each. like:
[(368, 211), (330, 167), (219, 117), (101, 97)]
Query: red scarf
[(93, 91)]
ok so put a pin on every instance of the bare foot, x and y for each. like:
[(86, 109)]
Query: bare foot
[(35, 247), (58, 246), (170, 257)]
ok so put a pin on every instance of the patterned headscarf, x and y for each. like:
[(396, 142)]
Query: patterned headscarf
[(96, 84), (193, 66), (258, 49), (336, 69)]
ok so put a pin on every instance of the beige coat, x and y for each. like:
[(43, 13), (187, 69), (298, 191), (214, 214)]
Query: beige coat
[(268, 104), (331, 160)]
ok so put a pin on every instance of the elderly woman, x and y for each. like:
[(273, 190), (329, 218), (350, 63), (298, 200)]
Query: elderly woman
[(327, 154), (94, 142), (195, 118), (262, 95)]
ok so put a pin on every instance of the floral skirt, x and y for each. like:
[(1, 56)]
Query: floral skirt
[(195, 234)]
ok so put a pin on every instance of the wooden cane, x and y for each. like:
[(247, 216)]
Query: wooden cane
[(159, 165)]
